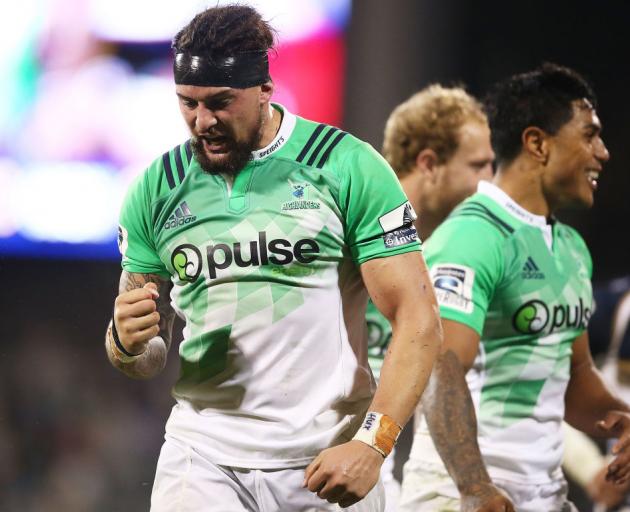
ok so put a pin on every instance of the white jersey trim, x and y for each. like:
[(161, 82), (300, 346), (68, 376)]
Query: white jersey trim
[(284, 132), (517, 211)]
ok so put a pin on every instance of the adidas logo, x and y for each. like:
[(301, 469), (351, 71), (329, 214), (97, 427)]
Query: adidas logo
[(531, 270), (181, 216)]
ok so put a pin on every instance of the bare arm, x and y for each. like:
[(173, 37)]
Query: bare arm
[(400, 288), (144, 321), (592, 408), (450, 415), (588, 399)]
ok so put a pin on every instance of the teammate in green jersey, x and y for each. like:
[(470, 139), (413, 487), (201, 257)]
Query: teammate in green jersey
[(438, 143), (263, 232), (515, 298)]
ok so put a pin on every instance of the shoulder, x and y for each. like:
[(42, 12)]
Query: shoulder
[(166, 172), (324, 146), (576, 243), (571, 234), (473, 236), (474, 224)]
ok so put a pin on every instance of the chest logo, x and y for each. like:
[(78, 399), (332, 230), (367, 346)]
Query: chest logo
[(535, 316), (186, 260), (530, 270), (300, 198), (532, 317), (181, 216)]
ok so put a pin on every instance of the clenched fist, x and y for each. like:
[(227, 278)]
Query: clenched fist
[(136, 317)]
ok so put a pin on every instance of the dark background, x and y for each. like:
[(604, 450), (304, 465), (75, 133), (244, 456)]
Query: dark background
[(75, 435)]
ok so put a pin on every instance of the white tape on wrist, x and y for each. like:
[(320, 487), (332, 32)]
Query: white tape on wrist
[(378, 431)]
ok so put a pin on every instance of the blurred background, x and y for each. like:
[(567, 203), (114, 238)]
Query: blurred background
[(87, 101)]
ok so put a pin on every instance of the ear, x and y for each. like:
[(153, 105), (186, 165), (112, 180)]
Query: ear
[(266, 91), (426, 163), (536, 143)]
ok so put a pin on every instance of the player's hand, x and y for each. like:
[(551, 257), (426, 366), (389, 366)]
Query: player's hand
[(136, 317), (617, 424), (485, 498), (604, 492), (344, 474)]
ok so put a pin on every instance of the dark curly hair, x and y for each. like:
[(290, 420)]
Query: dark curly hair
[(542, 98), (220, 32)]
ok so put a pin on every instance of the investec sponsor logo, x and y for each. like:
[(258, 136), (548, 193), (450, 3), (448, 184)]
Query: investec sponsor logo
[(278, 251), (400, 237), (535, 316), (180, 217), (300, 198), (530, 270)]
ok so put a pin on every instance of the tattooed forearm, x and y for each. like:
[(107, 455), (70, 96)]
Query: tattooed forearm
[(153, 359), (452, 422)]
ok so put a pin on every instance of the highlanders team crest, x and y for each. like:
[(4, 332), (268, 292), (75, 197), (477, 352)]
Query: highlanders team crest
[(300, 197)]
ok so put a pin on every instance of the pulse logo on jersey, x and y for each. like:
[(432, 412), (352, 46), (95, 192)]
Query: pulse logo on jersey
[(535, 316), (186, 260), (531, 270), (531, 317), (181, 216)]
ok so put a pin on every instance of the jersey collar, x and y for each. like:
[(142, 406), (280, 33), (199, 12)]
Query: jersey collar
[(284, 132), (515, 210), (509, 205)]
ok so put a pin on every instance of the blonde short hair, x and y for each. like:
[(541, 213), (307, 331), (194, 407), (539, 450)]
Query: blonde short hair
[(429, 119)]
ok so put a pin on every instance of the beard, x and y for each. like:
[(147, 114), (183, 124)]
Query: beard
[(238, 155)]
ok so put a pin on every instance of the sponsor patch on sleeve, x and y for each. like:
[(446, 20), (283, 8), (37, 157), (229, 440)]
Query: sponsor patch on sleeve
[(453, 286), (122, 240), (400, 237)]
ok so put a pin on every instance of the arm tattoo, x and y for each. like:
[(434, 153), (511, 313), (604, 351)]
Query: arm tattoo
[(153, 360), (452, 422)]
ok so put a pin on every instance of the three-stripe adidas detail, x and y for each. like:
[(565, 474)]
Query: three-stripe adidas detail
[(180, 165), (328, 142)]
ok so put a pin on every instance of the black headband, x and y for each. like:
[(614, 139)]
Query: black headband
[(239, 71)]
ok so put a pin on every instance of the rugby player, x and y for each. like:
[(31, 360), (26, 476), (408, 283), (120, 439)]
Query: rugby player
[(515, 298), (263, 232), (438, 143)]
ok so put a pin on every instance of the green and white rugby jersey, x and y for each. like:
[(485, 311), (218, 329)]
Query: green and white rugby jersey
[(524, 286), (265, 273)]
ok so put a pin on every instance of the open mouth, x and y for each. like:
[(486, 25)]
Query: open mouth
[(593, 177), (218, 144)]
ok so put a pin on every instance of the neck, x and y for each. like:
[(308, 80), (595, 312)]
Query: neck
[(271, 124), (427, 220), (522, 181)]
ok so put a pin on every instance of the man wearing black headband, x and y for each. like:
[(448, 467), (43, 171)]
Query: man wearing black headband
[(263, 232)]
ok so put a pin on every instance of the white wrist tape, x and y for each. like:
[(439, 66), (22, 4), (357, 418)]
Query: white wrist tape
[(378, 431)]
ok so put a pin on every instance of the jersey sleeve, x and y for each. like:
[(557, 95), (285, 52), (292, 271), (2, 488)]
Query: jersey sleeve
[(135, 232), (465, 259), (378, 216)]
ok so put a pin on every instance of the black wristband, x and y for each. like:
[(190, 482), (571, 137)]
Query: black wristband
[(119, 345)]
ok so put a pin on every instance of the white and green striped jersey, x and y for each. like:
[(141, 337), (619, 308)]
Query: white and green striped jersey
[(524, 285), (265, 273)]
